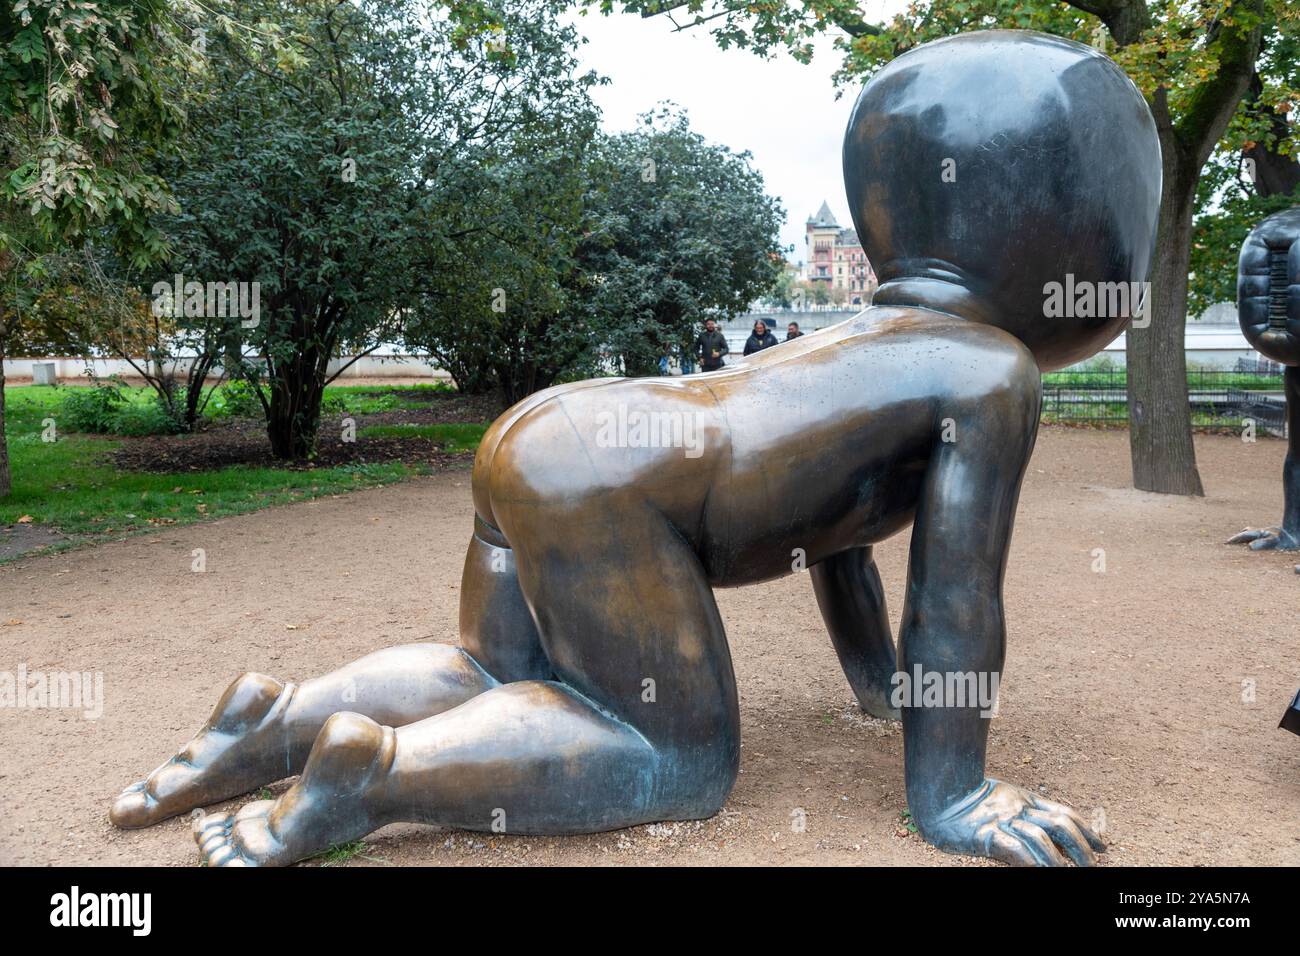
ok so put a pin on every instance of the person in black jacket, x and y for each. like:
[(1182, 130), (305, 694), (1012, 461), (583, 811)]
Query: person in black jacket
[(711, 346), (759, 339), (792, 331)]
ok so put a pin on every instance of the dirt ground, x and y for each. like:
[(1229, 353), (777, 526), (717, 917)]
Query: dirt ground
[(1147, 696)]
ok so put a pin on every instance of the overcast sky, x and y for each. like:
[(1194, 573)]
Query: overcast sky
[(783, 112)]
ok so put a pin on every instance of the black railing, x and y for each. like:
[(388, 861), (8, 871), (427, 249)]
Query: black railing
[(1219, 398)]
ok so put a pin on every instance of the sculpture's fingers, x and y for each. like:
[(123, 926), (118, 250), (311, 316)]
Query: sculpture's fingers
[(1007, 849), (1065, 834), (1052, 808), (1245, 536), (1039, 843)]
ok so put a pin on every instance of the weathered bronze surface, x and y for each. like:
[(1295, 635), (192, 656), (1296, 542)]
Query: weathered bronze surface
[(1268, 308), (595, 688)]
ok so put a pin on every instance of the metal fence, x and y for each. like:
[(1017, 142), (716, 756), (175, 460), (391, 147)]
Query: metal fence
[(1219, 398)]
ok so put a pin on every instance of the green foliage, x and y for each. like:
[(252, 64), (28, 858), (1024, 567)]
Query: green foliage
[(69, 483), (92, 410), (454, 437), (144, 418), (108, 408), (339, 184), (236, 399), (613, 244), (683, 232), (84, 103)]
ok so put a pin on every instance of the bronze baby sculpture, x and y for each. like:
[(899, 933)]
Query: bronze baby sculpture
[(595, 689), (1268, 308)]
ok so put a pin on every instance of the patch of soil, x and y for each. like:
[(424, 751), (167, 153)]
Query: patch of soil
[(244, 442), (19, 539)]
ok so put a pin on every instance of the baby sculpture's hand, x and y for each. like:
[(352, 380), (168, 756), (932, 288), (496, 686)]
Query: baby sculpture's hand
[(1012, 825), (1266, 539)]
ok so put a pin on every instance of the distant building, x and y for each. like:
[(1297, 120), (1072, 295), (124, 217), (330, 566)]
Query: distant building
[(834, 256)]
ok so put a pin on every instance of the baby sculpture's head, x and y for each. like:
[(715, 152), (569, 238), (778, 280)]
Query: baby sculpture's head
[(1268, 287), (1012, 178)]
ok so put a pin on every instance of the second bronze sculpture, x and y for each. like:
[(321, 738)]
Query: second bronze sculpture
[(1268, 308), (594, 687)]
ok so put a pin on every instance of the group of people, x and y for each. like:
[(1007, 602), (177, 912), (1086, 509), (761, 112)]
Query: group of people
[(711, 346)]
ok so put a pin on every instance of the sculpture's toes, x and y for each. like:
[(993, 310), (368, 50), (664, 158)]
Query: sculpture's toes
[(134, 807), (167, 791), (238, 839)]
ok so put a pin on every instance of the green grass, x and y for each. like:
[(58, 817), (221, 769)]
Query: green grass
[(454, 437), (343, 853), (71, 484), (370, 399), (1087, 378)]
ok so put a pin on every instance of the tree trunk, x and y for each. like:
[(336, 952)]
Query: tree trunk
[(1160, 425), (295, 418), (1275, 174)]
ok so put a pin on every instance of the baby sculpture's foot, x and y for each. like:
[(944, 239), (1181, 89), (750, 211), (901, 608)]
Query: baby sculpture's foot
[(1266, 539), (328, 805), (239, 748), (1012, 825)]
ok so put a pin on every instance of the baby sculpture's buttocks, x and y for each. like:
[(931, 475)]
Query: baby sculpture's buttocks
[(980, 171)]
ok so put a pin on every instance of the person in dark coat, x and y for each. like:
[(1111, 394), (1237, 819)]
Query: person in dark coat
[(711, 346), (792, 331), (759, 339)]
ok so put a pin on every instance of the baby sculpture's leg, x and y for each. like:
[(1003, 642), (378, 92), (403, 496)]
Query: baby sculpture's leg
[(1286, 536), (852, 603), (953, 625), (644, 727), (262, 730)]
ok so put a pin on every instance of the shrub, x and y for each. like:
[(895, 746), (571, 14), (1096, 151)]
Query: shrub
[(143, 418), (92, 409), (235, 400), (106, 408)]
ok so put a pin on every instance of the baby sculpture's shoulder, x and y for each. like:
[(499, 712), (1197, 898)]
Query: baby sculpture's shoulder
[(903, 341)]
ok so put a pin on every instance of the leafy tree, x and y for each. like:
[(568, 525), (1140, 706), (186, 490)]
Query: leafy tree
[(1252, 174), (599, 249), (505, 309), (329, 171), (684, 232), (327, 167), (1195, 62), (85, 101)]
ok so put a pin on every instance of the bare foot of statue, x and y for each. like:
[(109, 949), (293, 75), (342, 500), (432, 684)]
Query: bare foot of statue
[(225, 758), (1006, 823), (263, 729)]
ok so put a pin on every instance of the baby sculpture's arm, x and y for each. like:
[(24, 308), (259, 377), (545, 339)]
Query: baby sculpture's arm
[(954, 630)]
